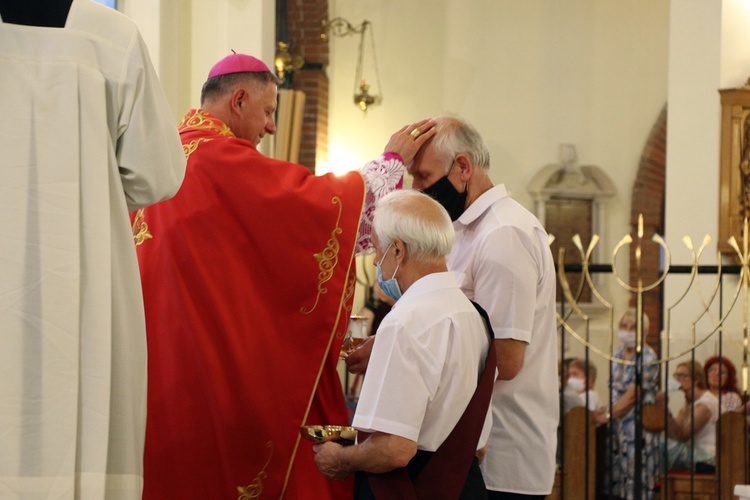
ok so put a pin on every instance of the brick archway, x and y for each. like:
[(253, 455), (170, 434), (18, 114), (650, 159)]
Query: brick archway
[(648, 200)]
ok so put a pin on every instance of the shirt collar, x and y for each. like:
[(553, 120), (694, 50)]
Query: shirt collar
[(482, 203), (432, 281)]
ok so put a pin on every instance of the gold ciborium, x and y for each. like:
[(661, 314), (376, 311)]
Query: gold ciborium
[(340, 434)]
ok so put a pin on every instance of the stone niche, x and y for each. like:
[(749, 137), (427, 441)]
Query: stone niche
[(569, 200)]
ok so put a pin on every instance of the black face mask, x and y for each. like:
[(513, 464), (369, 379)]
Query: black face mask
[(444, 193)]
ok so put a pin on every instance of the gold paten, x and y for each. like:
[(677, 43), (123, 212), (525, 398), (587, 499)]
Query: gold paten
[(323, 433)]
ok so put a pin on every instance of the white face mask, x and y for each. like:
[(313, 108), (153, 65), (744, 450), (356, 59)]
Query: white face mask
[(673, 385), (627, 338), (577, 384)]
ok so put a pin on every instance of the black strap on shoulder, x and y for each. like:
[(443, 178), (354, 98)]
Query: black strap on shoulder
[(486, 318), (47, 13), (446, 472)]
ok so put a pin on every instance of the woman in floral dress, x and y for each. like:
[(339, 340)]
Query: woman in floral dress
[(622, 419)]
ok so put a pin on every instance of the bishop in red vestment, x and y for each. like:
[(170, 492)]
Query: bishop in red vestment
[(248, 277)]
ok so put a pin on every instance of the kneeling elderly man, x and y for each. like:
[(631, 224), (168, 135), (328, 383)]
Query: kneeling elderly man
[(423, 409)]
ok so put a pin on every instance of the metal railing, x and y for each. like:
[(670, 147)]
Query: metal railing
[(711, 312)]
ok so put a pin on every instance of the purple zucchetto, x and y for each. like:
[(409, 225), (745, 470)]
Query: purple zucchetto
[(238, 63)]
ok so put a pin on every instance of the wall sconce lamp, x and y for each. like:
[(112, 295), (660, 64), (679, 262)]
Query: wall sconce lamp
[(285, 62), (339, 26)]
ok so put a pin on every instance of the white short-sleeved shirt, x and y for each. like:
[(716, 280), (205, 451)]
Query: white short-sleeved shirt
[(705, 439), (426, 360), (594, 403), (502, 259), (730, 401)]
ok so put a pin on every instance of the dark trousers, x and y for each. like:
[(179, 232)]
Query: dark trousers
[(499, 495), (474, 488)]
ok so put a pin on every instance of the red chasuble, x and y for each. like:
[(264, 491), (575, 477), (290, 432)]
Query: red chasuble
[(248, 279)]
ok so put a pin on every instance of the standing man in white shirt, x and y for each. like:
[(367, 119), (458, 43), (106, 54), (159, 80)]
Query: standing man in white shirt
[(502, 259)]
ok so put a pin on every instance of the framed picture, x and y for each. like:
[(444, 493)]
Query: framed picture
[(734, 188)]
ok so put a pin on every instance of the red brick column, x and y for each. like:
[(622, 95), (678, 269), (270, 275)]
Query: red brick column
[(304, 29), (648, 200)]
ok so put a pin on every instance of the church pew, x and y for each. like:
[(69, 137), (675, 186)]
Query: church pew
[(732, 446), (572, 478)]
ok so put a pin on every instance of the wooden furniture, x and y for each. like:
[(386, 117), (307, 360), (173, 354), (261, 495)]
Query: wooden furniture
[(734, 189), (572, 478), (734, 455), (732, 446), (679, 487)]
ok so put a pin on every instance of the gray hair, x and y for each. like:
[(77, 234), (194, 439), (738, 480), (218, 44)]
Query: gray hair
[(632, 314), (416, 219), (456, 136), (224, 84)]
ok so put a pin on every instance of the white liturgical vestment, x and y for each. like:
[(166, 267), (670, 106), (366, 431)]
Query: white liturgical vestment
[(86, 137)]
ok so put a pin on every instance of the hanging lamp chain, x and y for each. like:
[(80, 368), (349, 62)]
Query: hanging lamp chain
[(341, 27), (358, 80)]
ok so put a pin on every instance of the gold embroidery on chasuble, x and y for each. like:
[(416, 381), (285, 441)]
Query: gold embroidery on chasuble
[(255, 489), (346, 306), (327, 259), (140, 228), (191, 146), (200, 120)]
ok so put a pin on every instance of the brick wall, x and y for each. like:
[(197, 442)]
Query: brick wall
[(304, 29), (648, 200)]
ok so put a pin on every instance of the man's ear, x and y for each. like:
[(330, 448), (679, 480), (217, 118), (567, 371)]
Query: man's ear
[(237, 100), (465, 166), (399, 250)]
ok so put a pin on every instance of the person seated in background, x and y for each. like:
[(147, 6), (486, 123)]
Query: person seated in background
[(721, 378), (695, 424), (562, 369), (582, 384), (574, 387), (571, 392)]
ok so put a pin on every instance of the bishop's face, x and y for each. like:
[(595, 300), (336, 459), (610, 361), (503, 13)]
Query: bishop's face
[(257, 113)]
